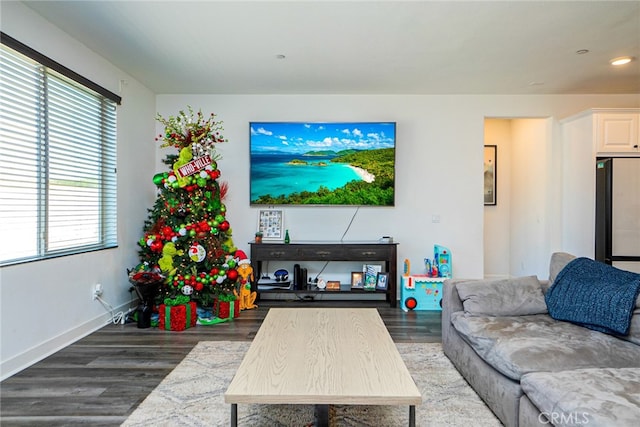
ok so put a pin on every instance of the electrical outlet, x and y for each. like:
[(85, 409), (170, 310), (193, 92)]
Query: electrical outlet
[(97, 291)]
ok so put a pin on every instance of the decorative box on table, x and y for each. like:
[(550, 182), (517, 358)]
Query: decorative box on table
[(421, 292), (177, 317)]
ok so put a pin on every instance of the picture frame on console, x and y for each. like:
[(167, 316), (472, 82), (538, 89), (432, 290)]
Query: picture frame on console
[(333, 285), (490, 174), (357, 280), (381, 281), (271, 224)]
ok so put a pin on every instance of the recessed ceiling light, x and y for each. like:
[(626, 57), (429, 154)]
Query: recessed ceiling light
[(621, 60), (582, 51)]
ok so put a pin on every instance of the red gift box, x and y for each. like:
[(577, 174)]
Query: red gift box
[(222, 309), (177, 317)]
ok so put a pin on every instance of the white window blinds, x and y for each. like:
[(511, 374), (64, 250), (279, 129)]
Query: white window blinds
[(57, 163)]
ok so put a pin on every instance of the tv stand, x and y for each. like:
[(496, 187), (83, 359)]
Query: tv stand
[(368, 252)]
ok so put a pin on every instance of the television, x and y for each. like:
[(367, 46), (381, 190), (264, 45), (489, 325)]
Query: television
[(322, 164)]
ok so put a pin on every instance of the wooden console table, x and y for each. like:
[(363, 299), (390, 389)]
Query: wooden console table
[(367, 252)]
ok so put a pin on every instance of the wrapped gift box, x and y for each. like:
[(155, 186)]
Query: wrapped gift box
[(421, 292), (226, 309), (177, 317)]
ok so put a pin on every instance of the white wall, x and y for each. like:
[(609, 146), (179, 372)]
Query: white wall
[(46, 305), (439, 169), (579, 186), (531, 178)]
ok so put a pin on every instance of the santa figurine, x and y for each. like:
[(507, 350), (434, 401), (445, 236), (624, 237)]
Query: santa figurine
[(245, 271)]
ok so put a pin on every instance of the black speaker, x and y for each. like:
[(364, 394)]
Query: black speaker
[(296, 277)]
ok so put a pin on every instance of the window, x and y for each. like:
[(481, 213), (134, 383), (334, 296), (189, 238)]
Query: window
[(57, 160)]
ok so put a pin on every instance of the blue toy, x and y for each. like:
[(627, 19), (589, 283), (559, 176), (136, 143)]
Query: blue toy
[(421, 292), (442, 261)]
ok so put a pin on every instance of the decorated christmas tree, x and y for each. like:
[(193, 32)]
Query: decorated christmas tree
[(187, 238)]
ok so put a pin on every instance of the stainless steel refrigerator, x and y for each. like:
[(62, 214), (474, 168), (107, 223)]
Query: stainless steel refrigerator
[(618, 212)]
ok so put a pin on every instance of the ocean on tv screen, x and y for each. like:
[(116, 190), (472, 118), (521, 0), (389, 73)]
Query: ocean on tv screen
[(322, 163)]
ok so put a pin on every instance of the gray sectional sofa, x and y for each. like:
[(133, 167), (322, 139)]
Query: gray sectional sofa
[(534, 370)]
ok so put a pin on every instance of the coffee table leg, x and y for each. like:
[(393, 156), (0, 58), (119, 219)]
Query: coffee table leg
[(322, 415), (412, 416), (234, 415)]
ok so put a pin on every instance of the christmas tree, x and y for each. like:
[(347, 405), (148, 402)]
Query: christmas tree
[(187, 238)]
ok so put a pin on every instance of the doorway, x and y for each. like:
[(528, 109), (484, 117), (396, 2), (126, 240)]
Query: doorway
[(517, 228)]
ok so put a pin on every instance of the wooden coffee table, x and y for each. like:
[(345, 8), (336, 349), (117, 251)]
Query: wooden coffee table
[(323, 356)]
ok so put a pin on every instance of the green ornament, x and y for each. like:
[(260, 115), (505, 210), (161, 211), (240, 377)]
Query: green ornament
[(158, 178), (219, 218)]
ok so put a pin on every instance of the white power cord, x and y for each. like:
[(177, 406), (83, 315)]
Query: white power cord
[(116, 318)]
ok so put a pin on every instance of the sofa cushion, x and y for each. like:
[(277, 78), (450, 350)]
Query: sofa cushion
[(598, 397), (634, 329), (516, 345), (507, 297), (559, 260)]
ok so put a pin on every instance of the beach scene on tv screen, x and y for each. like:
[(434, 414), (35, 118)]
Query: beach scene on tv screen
[(322, 163)]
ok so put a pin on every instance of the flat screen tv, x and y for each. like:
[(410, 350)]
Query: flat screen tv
[(341, 163)]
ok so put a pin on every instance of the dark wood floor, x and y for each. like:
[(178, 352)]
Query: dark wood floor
[(102, 378)]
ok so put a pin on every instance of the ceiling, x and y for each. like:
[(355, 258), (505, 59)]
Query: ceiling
[(361, 47)]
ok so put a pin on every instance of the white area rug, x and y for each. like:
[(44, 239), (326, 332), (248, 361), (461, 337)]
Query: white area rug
[(193, 395)]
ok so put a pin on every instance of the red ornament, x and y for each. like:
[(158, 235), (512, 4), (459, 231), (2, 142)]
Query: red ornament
[(156, 246), (232, 275), (224, 226)]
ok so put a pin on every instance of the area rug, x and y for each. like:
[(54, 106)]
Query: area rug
[(193, 395)]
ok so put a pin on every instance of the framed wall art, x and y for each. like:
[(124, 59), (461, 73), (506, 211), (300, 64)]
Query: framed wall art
[(271, 224), (490, 174)]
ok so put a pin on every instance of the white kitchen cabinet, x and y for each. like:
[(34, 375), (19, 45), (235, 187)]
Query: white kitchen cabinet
[(616, 132)]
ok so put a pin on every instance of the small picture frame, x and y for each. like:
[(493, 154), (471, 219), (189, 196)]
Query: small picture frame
[(381, 281), (357, 280), (271, 224), (490, 174), (370, 276), (333, 285)]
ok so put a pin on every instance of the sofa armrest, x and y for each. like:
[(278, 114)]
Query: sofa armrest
[(450, 297), (451, 303)]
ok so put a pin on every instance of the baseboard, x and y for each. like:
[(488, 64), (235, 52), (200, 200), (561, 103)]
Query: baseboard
[(22, 361)]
